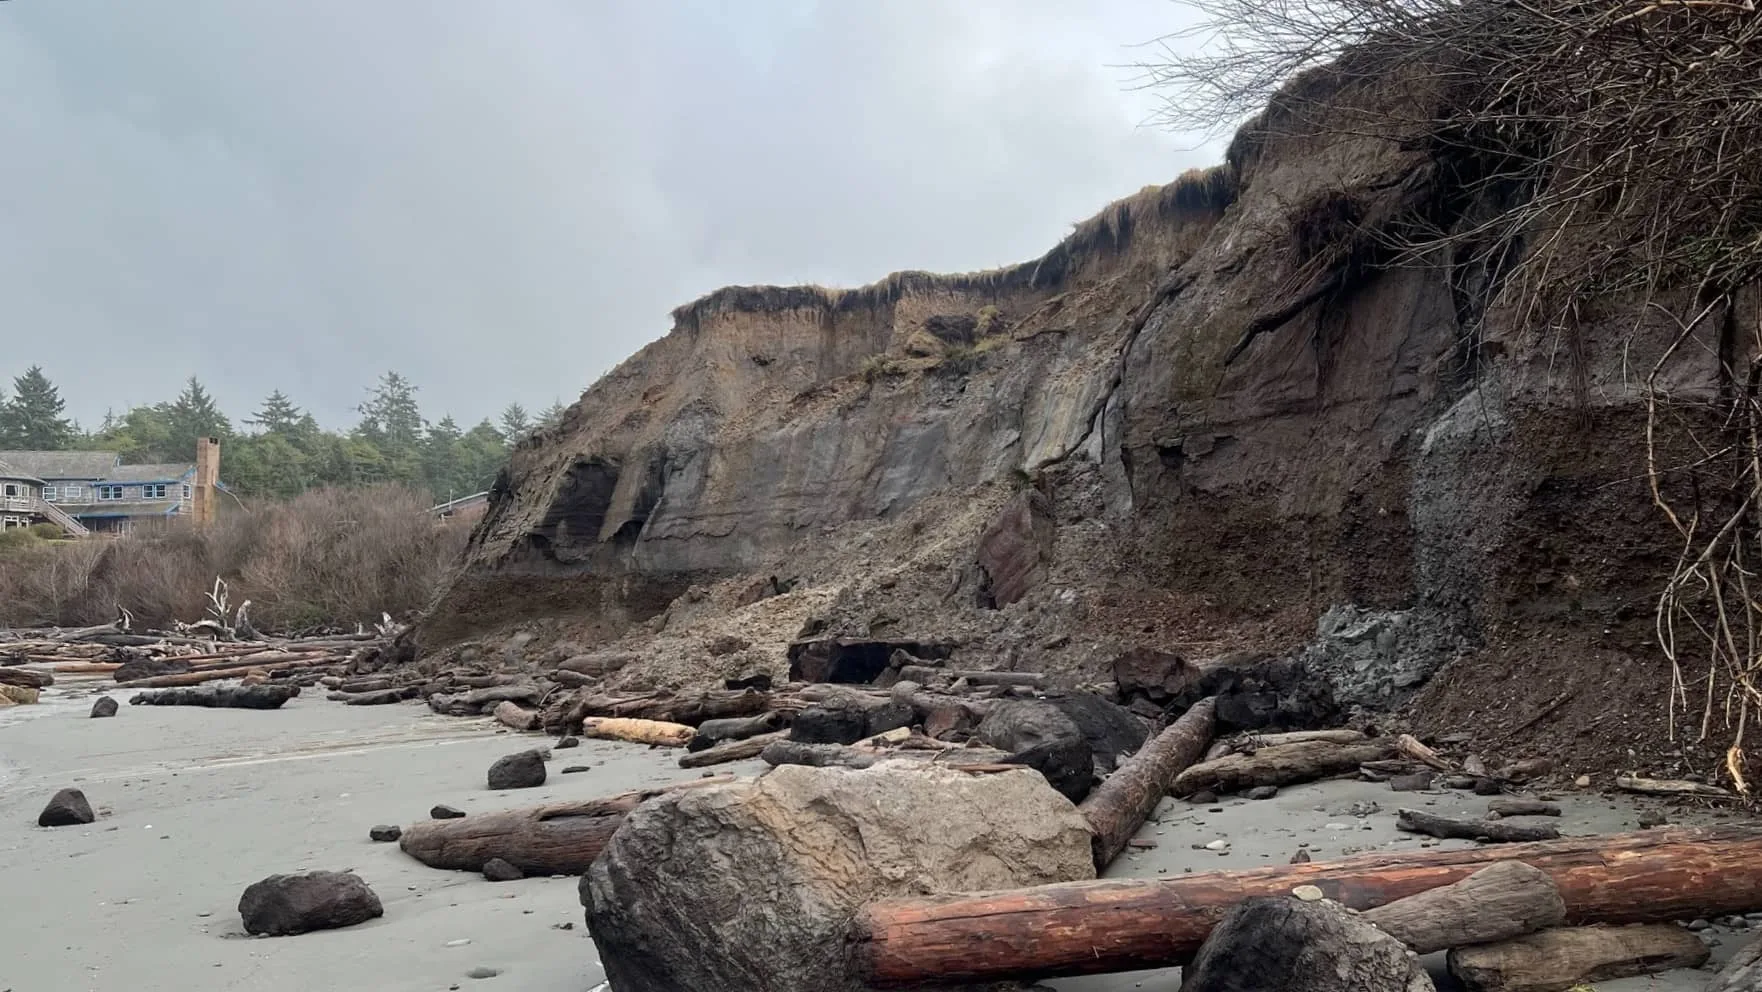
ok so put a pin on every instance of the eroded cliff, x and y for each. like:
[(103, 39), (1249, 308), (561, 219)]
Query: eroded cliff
[(1212, 418)]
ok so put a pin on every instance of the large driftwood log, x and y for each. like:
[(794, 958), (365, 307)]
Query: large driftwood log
[(713, 732), (246, 697), (691, 709), (26, 677), (1254, 741), (220, 674), (735, 750), (1555, 960), (1292, 946), (637, 731), (1079, 928), (1743, 973), (1282, 764), (1501, 901), (557, 839), (1498, 831), (1668, 787), (1521, 807), (1119, 806), (376, 697)]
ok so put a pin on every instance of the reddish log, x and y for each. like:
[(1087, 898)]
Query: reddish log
[(1081, 928), (1119, 805)]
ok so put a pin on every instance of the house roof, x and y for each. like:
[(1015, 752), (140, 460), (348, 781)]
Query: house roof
[(62, 464), (9, 471), (150, 473)]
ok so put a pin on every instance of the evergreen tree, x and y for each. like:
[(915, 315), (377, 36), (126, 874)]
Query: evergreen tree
[(440, 460), (482, 453), (516, 423), (32, 420), (192, 415), (552, 415), (391, 423), (278, 415)]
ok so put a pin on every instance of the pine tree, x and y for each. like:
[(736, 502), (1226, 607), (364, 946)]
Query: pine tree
[(192, 415), (516, 423), (32, 420), (391, 422), (278, 415), (440, 459), (552, 415)]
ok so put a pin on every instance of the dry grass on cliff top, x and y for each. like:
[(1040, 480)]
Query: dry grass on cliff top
[(329, 557)]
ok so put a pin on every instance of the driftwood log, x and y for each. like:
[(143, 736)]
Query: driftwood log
[(1079, 928), (735, 750), (557, 839), (26, 677), (1521, 807), (1501, 901), (924, 675), (375, 697), (690, 709), (1743, 973), (511, 714), (1281, 764), (230, 672), (713, 732), (1498, 831), (1668, 787), (1120, 805), (637, 731), (246, 697), (1554, 960)]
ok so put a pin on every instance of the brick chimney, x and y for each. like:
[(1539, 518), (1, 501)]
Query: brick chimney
[(207, 477)]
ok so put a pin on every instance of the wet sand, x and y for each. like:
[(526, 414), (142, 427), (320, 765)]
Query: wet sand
[(196, 804)]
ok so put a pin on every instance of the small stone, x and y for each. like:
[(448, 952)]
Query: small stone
[(1734, 922), (572, 769), (568, 742), (105, 706), (385, 832), (1417, 782), (497, 870), (1699, 924), (445, 813), (316, 900), (1218, 845), (1262, 792), (1307, 893), (66, 809), (1202, 798), (1337, 826), (1486, 787), (562, 926), (524, 770), (1652, 818), (1583, 781), (461, 942), (481, 972), (1300, 858)]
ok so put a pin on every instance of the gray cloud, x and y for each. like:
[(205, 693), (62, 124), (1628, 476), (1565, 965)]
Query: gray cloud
[(503, 200)]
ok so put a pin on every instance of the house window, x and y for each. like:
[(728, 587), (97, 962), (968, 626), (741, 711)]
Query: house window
[(156, 491), (71, 493), (186, 492), (48, 494), (12, 489), (109, 492)]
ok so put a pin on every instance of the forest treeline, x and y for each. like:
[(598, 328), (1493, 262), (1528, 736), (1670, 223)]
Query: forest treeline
[(280, 450)]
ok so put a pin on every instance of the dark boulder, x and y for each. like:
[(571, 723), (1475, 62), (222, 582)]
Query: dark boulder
[(103, 707), (1109, 730), (497, 870), (518, 771), (68, 808), (1112, 731), (853, 660), (829, 725), (1156, 676), (1294, 946), (1256, 692), (385, 833), (568, 742), (1067, 763), (281, 905), (443, 812)]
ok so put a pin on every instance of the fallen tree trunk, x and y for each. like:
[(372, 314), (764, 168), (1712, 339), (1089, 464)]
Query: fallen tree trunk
[(1282, 764), (246, 697), (692, 710), (1498, 831), (1119, 806), (1554, 960), (1521, 807), (1503, 900), (557, 839), (735, 750), (377, 697), (637, 731), (1256, 741), (1668, 787), (26, 677), (220, 674), (713, 732), (1079, 928)]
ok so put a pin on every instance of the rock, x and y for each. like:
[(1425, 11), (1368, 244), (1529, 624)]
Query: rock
[(1254, 692), (853, 660), (21, 695), (316, 900), (760, 681), (524, 770), (829, 725), (568, 742), (1112, 731), (104, 706), (1218, 845), (1652, 818), (1474, 766), (572, 769), (483, 972), (753, 884), (1015, 549), (1067, 764), (1018, 724), (1417, 782), (25, 677), (445, 813), (1300, 858), (1202, 798), (1582, 782), (385, 833), (1305, 944), (497, 870), (67, 808), (1487, 787), (1698, 925), (1153, 676), (1262, 792), (1529, 768)]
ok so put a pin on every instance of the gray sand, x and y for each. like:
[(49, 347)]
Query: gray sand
[(196, 804)]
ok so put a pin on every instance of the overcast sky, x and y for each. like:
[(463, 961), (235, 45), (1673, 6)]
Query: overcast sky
[(502, 200)]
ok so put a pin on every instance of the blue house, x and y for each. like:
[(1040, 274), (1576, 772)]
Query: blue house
[(93, 492)]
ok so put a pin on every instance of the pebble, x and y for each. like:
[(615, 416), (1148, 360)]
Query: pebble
[(385, 832), (1337, 826), (1735, 922), (1218, 845), (445, 813), (572, 769), (1698, 925), (1307, 893), (1583, 781), (1262, 792), (461, 942), (481, 972)]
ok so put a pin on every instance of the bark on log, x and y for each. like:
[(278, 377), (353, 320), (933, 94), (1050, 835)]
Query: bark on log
[(1119, 806), (26, 677), (735, 750), (1743, 973), (713, 732), (247, 697), (378, 697), (1080, 928), (1497, 831), (1521, 807), (787, 752), (557, 839), (1283, 764), (1501, 901), (691, 709), (1555, 960), (1256, 741), (637, 731)]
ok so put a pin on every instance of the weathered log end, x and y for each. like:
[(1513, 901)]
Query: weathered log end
[(1555, 960), (1501, 901)]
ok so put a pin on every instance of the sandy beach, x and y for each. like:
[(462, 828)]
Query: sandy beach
[(196, 804)]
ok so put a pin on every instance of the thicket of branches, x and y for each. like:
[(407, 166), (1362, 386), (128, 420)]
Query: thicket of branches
[(1614, 151)]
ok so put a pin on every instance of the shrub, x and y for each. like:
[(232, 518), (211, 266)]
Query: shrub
[(328, 557)]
